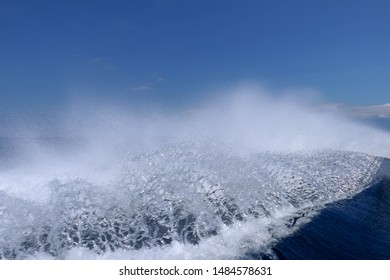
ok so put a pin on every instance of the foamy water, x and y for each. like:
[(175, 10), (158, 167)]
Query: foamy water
[(217, 181)]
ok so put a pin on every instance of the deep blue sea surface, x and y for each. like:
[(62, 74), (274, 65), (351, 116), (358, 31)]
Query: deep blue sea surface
[(355, 228)]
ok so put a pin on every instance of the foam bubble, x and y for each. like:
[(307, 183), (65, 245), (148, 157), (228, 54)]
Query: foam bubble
[(240, 165)]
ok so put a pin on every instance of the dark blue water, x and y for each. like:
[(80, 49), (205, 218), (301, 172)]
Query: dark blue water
[(357, 228)]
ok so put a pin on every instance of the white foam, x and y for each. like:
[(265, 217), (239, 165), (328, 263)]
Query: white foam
[(121, 150)]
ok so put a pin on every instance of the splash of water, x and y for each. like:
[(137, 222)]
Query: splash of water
[(215, 182)]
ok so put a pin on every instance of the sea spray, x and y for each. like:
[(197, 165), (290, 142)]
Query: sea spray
[(217, 181)]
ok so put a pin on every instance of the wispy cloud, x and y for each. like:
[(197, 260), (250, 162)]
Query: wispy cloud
[(101, 62), (380, 111), (142, 88), (372, 111), (149, 85)]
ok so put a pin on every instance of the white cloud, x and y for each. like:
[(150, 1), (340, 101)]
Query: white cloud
[(376, 111), (141, 88), (149, 85), (102, 62), (380, 111)]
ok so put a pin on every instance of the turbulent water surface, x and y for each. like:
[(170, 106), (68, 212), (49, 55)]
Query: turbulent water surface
[(248, 176), (191, 200)]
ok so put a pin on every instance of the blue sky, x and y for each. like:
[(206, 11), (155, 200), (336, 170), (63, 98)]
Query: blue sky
[(175, 50)]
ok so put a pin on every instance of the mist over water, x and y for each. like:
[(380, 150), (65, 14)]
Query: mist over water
[(211, 158), (249, 117)]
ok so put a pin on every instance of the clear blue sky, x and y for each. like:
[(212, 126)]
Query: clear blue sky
[(173, 50)]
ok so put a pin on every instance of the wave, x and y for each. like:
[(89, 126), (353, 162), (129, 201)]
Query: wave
[(224, 181), (350, 229), (189, 200)]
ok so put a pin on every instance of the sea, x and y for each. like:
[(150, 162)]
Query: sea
[(198, 197)]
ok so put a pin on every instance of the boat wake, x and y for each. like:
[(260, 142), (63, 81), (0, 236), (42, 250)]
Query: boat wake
[(190, 200), (231, 179)]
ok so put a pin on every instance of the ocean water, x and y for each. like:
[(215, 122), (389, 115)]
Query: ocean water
[(236, 181), (355, 228)]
